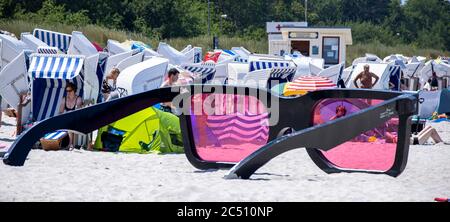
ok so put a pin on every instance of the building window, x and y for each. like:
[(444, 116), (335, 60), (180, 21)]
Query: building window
[(330, 51)]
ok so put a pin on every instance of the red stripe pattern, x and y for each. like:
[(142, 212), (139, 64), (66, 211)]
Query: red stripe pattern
[(310, 83)]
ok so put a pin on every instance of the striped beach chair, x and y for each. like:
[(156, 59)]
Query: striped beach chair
[(281, 75), (267, 78), (47, 50), (205, 71), (267, 64), (394, 77), (241, 60), (54, 39), (50, 74)]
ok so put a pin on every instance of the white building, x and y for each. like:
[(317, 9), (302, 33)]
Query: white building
[(328, 43)]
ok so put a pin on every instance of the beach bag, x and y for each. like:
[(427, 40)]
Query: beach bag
[(55, 140), (112, 139)]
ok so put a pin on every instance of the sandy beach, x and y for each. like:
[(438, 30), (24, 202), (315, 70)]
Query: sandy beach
[(88, 176)]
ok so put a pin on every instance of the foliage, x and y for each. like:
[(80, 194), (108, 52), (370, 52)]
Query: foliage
[(418, 23)]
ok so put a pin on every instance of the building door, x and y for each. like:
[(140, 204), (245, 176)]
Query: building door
[(300, 46), (331, 51)]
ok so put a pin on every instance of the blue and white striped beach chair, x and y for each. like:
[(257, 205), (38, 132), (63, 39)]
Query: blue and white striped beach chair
[(267, 64), (205, 71), (267, 78), (54, 39), (241, 60), (279, 70), (394, 76), (50, 74), (47, 50)]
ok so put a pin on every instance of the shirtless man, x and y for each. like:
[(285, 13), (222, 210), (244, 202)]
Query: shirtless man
[(171, 81), (366, 79)]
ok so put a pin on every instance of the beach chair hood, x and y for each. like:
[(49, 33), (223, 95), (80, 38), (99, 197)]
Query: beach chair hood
[(53, 39), (204, 71), (32, 42), (80, 45), (50, 74), (14, 82), (11, 48), (143, 76), (174, 56), (382, 70), (441, 69)]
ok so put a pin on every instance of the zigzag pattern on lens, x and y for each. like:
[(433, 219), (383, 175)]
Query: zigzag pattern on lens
[(239, 128)]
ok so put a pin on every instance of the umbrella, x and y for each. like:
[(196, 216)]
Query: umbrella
[(278, 89), (306, 84)]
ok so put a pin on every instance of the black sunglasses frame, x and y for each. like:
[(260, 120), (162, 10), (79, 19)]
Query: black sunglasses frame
[(92, 118), (311, 137)]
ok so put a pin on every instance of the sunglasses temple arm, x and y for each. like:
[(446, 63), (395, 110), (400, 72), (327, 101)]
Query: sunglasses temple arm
[(84, 121), (341, 130)]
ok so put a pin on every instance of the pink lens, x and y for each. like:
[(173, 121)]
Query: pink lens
[(373, 150), (228, 128)]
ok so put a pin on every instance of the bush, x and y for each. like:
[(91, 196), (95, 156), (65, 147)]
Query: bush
[(51, 13), (367, 32)]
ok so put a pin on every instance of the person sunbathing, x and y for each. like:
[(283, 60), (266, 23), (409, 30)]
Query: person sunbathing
[(424, 135), (366, 78)]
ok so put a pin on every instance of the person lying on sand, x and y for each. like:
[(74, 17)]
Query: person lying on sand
[(366, 79)]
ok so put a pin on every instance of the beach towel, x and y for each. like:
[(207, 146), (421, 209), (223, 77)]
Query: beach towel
[(441, 120)]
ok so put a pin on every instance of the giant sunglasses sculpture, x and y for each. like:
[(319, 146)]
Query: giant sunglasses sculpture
[(243, 128)]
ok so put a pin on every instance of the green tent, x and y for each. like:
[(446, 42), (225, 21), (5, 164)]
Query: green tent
[(148, 131)]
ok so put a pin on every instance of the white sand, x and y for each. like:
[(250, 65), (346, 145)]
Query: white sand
[(88, 176)]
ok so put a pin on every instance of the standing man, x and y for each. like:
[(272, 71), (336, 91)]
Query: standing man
[(366, 77)]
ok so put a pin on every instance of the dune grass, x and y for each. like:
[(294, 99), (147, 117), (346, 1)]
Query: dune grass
[(101, 35)]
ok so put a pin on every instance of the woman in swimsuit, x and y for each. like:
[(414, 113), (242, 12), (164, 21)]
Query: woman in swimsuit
[(69, 103)]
